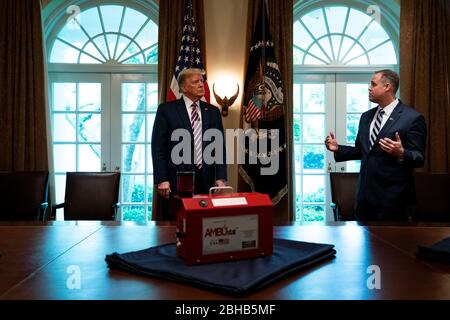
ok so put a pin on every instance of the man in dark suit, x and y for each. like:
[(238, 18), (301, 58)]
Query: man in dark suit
[(390, 144), (195, 117)]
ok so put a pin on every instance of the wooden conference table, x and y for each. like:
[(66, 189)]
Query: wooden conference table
[(37, 261)]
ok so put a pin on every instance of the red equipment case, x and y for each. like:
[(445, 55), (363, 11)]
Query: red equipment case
[(223, 227)]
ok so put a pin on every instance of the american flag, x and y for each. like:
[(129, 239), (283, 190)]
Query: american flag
[(252, 112), (189, 56)]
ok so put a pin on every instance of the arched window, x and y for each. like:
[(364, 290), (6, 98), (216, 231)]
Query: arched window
[(337, 47), (112, 34), (342, 35), (102, 58)]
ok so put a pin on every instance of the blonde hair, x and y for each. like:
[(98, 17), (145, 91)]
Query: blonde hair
[(186, 73)]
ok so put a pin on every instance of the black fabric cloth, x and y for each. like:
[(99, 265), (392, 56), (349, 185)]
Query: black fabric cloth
[(235, 278), (439, 252)]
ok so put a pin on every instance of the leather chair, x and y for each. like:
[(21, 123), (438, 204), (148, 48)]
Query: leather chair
[(23, 195), (432, 195), (90, 196), (343, 195)]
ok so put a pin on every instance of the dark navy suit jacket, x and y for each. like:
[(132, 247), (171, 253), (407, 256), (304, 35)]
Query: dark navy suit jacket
[(384, 180), (171, 116)]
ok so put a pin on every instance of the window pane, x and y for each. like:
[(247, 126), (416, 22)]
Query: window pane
[(314, 188), (132, 22), (313, 98), (135, 59), (62, 53), (357, 97), (101, 44), (313, 213), (133, 188), (90, 96), (148, 35), (355, 52), (64, 157), (357, 21), (298, 157), (151, 55), (152, 97), (133, 213), (383, 55), (301, 36), (314, 159), (60, 187), (315, 23), (133, 95), (133, 156), (150, 122), (90, 21), (296, 97), (298, 56), (89, 127), (84, 58), (89, 157), (311, 60), (373, 36), (297, 128), (352, 127), (64, 127), (73, 34), (336, 18), (133, 128), (131, 50), (149, 160), (111, 16), (318, 53), (93, 51), (64, 95), (150, 190), (313, 128)]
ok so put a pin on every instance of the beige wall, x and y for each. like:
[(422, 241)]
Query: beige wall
[(225, 31)]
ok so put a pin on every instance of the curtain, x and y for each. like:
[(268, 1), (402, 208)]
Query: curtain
[(280, 16), (170, 29), (23, 125), (425, 73)]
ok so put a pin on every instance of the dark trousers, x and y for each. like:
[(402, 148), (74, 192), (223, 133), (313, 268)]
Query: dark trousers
[(200, 187), (364, 211)]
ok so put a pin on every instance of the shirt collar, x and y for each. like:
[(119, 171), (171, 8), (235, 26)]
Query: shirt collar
[(390, 107), (189, 102)]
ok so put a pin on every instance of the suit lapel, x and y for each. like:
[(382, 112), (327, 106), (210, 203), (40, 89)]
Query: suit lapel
[(182, 113), (395, 115), (366, 128), (205, 116)]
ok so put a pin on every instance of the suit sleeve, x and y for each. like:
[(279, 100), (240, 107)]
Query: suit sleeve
[(221, 168), (414, 145), (346, 153), (160, 150)]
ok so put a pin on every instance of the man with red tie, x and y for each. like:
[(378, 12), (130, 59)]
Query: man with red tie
[(195, 116), (390, 144)]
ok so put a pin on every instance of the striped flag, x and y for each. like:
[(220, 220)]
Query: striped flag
[(189, 56), (264, 111)]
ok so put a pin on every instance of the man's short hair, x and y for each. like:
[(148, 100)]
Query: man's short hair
[(391, 77), (186, 73)]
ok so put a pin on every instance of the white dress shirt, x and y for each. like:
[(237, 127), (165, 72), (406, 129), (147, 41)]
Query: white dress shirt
[(387, 114)]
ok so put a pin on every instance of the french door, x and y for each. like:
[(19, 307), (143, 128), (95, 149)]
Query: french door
[(103, 122), (323, 103)]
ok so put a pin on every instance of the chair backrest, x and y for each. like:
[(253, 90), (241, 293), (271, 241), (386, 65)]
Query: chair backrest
[(22, 193), (432, 195), (343, 194), (91, 195)]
